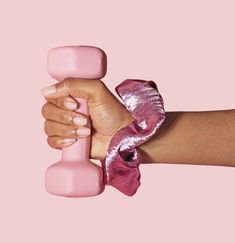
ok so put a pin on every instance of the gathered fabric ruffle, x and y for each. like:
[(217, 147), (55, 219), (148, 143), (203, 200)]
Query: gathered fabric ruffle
[(121, 164)]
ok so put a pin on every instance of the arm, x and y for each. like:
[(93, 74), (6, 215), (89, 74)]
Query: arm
[(206, 138)]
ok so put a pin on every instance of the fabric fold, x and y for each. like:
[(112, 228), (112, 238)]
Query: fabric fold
[(121, 164)]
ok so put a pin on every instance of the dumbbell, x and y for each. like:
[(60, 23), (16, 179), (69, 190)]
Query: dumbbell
[(75, 175)]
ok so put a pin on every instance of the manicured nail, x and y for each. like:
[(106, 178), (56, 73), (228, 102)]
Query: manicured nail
[(80, 121), (68, 141), (48, 91), (83, 132), (70, 105)]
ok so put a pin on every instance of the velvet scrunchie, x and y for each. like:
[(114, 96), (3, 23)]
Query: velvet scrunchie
[(121, 164)]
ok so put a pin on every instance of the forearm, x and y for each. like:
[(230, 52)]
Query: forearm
[(206, 137)]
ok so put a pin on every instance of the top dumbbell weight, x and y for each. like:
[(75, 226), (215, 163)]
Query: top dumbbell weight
[(75, 175)]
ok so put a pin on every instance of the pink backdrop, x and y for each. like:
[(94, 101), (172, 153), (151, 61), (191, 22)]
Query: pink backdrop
[(186, 47)]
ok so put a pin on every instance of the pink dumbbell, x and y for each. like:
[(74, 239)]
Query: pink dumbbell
[(75, 175)]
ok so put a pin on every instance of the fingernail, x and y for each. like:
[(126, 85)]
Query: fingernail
[(82, 121), (48, 91), (70, 105), (83, 132), (68, 141)]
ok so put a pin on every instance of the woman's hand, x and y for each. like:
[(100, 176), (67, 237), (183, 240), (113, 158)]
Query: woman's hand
[(64, 125)]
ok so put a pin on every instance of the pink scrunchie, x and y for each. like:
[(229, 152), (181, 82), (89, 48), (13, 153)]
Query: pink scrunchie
[(121, 165)]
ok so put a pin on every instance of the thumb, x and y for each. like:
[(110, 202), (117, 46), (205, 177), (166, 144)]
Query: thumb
[(76, 87)]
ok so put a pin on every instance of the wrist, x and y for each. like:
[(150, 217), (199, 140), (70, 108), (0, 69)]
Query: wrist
[(158, 149), (127, 118)]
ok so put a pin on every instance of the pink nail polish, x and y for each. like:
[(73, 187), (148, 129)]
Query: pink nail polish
[(83, 132), (80, 121), (70, 105)]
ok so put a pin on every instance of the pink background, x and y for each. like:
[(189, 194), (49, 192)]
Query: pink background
[(186, 47)]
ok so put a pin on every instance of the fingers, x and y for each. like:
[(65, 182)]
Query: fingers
[(52, 128), (76, 87), (64, 127), (59, 142), (67, 103), (53, 113)]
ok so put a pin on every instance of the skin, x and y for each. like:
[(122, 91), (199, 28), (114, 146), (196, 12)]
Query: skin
[(203, 138), (107, 114), (206, 138)]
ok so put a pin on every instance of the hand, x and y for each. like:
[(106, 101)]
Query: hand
[(107, 114)]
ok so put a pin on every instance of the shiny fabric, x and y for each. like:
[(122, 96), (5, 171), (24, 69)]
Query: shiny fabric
[(121, 165)]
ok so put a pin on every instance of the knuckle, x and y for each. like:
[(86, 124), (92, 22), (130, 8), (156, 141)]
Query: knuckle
[(65, 117), (52, 142), (47, 110), (66, 131), (44, 110), (46, 127)]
